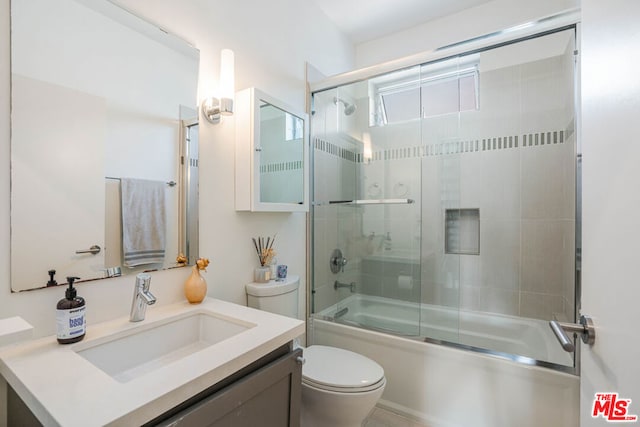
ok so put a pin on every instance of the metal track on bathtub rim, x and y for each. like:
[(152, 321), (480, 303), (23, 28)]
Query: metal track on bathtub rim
[(523, 360), (505, 356)]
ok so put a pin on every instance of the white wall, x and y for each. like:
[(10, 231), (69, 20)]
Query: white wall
[(483, 19), (271, 40), (610, 125)]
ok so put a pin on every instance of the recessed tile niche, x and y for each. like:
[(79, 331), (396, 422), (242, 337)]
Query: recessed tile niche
[(462, 231)]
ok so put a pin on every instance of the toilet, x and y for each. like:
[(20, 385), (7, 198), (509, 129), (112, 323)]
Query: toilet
[(339, 387)]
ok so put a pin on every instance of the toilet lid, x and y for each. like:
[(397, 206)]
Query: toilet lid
[(337, 368), (273, 288)]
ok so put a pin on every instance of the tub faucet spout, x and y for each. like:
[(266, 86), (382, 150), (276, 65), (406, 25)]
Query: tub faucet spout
[(142, 297), (352, 286)]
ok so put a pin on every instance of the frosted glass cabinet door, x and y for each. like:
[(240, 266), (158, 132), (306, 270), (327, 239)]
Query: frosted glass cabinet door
[(272, 149)]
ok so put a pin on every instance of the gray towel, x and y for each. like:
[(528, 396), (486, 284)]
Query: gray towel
[(143, 221)]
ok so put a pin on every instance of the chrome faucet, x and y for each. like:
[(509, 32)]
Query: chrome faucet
[(352, 286), (141, 297)]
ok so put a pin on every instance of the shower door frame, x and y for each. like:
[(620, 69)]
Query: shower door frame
[(568, 20)]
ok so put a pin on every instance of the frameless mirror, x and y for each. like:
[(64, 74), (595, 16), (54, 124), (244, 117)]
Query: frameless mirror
[(102, 102)]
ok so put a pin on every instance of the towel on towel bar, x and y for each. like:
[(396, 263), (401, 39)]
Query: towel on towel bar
[(143, 221)]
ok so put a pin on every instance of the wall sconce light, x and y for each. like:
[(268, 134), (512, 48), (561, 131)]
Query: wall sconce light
[(213, 107)]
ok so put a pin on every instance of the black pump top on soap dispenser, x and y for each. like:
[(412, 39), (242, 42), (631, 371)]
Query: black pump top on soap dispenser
[(71, 298), (52, 281), (71, 292)]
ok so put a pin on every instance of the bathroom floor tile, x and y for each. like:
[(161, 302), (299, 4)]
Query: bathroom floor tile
[(382, 418)]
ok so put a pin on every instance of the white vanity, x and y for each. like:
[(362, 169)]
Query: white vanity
[(182, 362)]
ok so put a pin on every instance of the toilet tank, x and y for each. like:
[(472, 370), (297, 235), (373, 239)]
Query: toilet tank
[(275, 297)]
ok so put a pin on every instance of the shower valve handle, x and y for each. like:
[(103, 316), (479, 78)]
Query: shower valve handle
[(340, 263), (337, 261)]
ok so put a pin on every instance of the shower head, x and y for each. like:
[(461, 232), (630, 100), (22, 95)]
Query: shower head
[(349, 109)]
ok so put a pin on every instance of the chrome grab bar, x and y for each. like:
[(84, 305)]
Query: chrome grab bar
[(585, 328), (93, 250)]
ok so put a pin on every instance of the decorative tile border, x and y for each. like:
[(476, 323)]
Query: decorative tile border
[(281, 166), (454, 147), (333, 149)]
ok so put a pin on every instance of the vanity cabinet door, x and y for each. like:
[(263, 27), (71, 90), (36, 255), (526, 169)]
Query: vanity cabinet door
[(18, 413), (268, 397)]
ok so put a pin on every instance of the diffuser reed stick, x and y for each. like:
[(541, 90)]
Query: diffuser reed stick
[(264, 249)]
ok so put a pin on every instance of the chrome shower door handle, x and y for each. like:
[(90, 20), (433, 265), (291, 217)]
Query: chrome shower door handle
[(585, 328)]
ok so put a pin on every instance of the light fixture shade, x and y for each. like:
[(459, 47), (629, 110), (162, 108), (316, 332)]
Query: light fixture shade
[(213, 107), (227, 81)]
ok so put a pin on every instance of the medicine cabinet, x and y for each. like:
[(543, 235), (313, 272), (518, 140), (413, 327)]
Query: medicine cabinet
[(272, 154)]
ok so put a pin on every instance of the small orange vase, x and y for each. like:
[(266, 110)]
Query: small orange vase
[(195, 287)]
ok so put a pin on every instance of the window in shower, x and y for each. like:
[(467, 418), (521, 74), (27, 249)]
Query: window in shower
[(437, 89)]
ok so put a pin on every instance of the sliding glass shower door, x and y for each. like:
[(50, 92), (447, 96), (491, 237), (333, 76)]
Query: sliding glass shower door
[(366, 214), (449, 189)]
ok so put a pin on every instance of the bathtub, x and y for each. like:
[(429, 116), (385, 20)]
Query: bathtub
[(446, 386)]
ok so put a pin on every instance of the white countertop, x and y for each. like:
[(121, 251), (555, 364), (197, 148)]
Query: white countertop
[(63, 388)]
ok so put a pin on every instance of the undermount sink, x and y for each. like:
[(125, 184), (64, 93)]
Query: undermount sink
[(153, 346)]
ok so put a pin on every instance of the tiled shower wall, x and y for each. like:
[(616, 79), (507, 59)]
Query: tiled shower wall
[(525, 198), (524, 190), (513, 160)]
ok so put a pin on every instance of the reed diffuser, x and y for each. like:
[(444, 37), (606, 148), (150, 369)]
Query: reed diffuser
[(265, 252)]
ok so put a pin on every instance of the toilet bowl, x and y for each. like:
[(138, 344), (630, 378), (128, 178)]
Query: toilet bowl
[(339, 387)]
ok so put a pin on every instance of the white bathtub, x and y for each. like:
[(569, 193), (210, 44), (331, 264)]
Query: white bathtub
[(444, 386)]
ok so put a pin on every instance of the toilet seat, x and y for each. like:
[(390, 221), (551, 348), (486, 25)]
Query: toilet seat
[(339, 370), (325, 387)]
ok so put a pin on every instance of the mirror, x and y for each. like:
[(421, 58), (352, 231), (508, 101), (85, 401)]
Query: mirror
[(272, 150), (103, 118), (282, 155)]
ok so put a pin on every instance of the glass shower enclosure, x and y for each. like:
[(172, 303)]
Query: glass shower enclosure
[(444, 199)]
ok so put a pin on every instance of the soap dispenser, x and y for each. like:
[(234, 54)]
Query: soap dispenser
[(70, 315)]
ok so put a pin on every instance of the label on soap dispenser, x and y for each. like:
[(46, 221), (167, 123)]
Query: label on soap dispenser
[(70, 323)]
